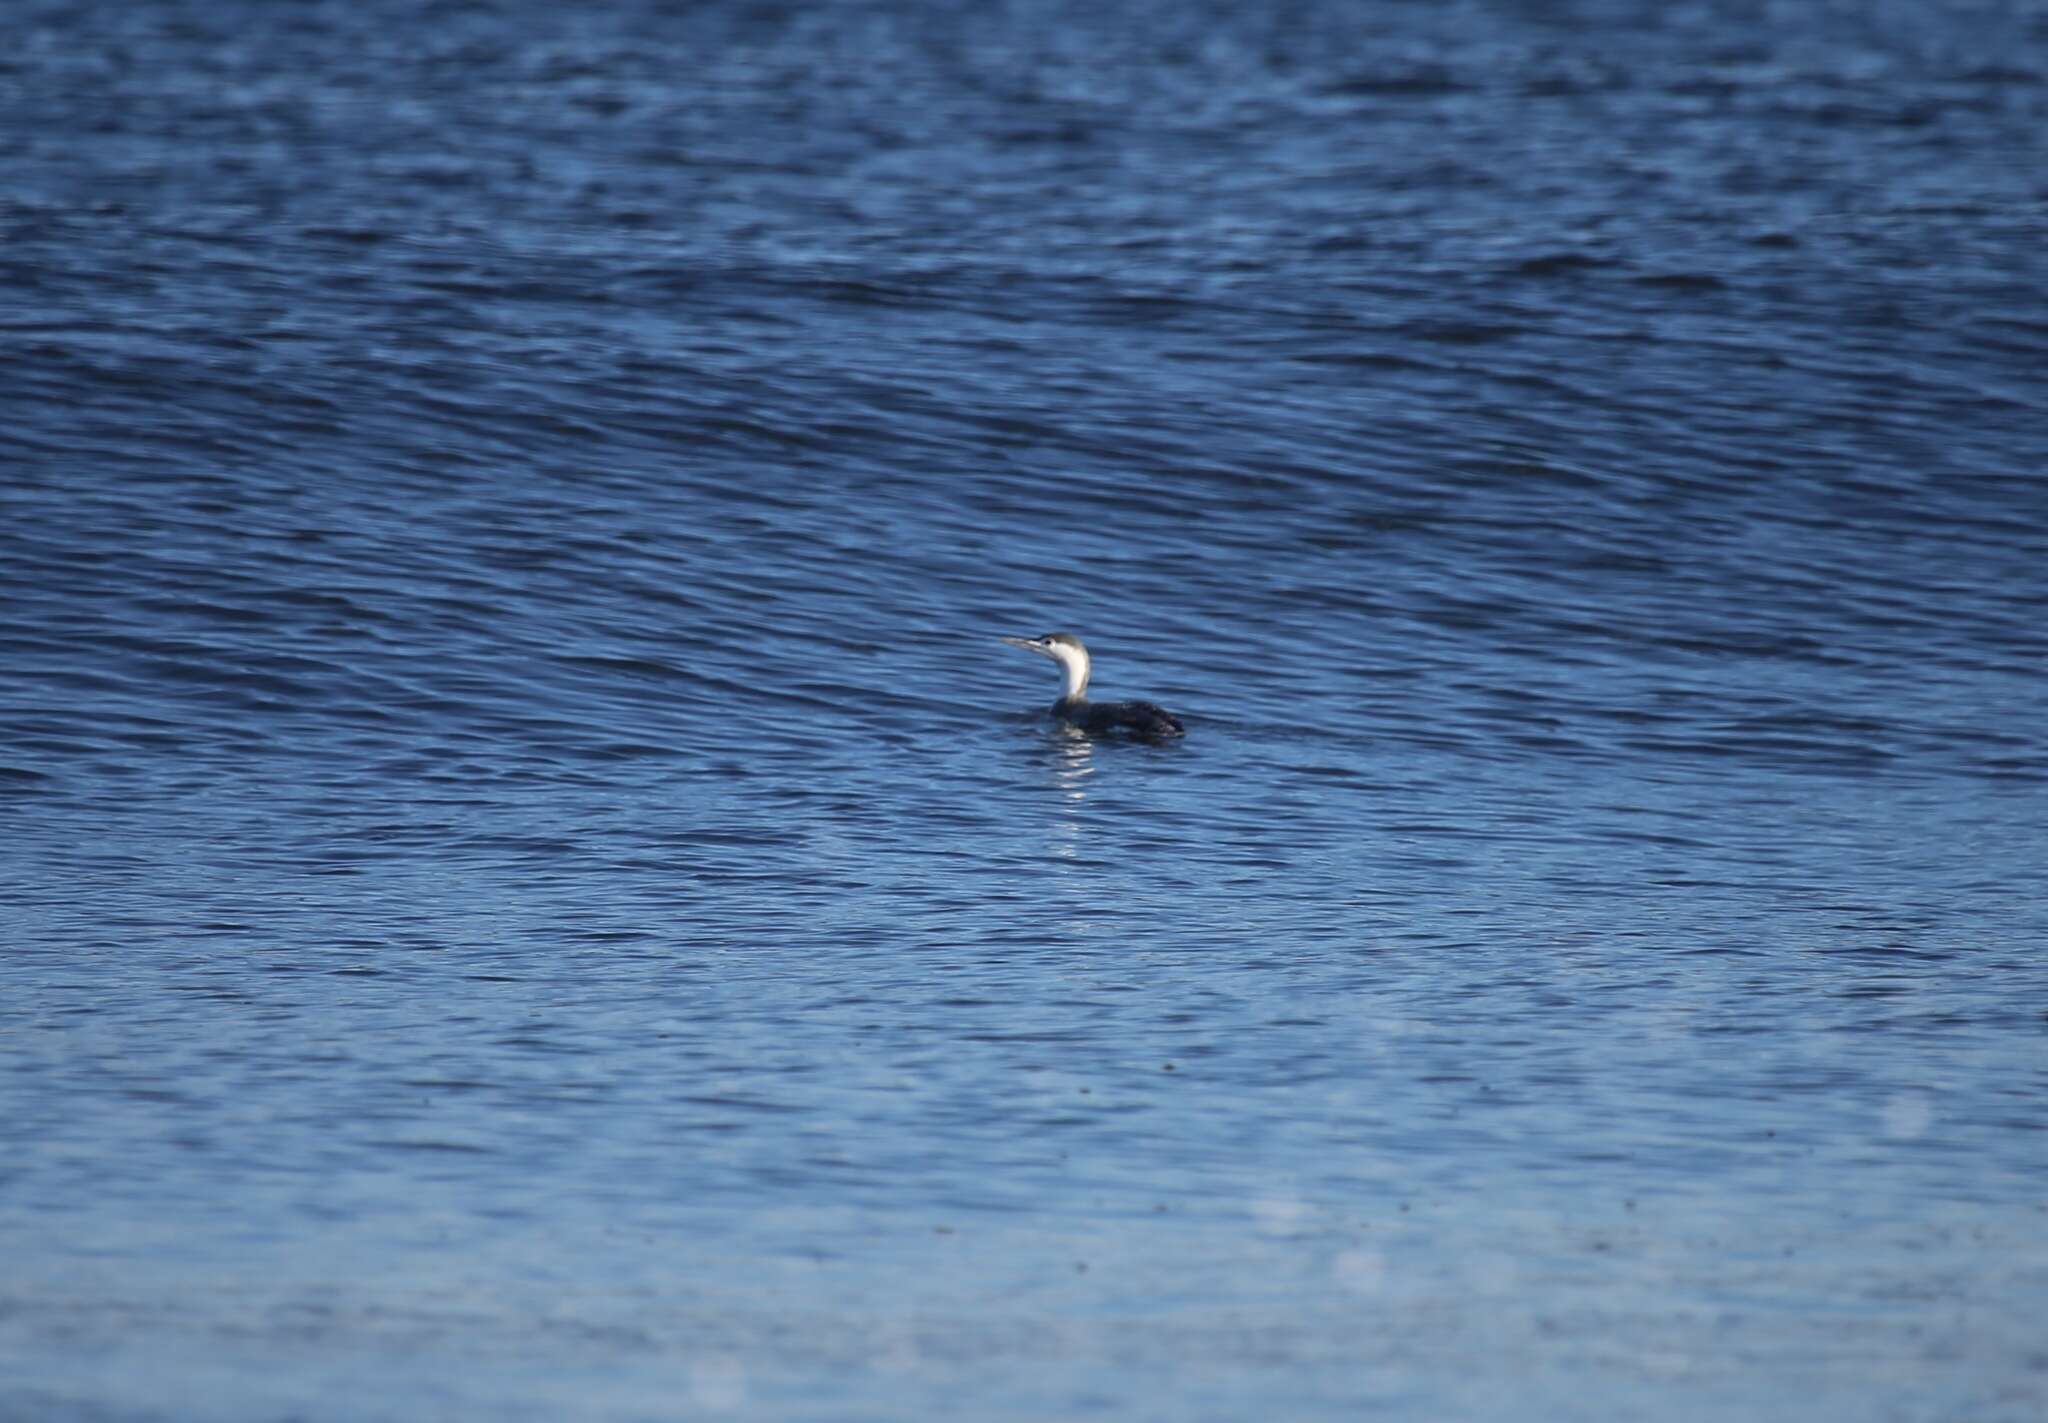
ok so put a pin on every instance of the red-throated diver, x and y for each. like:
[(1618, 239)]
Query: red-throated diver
[(1074, 708)]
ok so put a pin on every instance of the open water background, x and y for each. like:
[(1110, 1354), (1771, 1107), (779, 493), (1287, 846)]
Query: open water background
[(530, 889)]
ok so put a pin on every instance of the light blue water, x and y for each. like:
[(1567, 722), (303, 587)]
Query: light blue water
[(531, 890)]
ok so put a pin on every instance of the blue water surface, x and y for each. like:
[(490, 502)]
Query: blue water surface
[(531, 890)]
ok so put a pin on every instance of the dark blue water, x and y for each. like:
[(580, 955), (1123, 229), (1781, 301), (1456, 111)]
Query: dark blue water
[(531, 890)]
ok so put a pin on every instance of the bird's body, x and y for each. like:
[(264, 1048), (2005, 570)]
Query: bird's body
[(1141, 719)]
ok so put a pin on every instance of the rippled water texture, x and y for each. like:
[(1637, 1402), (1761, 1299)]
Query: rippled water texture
[(532, 890)]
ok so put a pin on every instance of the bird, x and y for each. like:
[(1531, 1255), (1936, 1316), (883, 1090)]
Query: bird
[(1140, 719)]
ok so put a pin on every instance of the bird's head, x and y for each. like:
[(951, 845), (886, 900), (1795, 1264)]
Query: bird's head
[(1065, 649)]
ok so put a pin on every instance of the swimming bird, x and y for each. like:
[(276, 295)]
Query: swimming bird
[(1136, 718)]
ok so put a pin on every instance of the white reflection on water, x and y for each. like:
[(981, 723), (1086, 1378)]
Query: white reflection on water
[(1360, 1271), (718, 1383), (1908, 1115), (1076, 764), (1070, 772)]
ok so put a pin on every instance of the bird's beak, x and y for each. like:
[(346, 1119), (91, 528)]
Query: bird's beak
[(1031, 644)]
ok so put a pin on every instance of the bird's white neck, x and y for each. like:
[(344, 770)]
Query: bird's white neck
[(1074, 667)]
